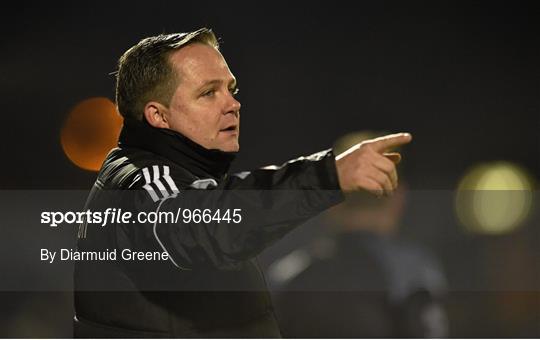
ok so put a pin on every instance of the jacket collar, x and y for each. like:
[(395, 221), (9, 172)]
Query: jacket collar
[(177, 148)]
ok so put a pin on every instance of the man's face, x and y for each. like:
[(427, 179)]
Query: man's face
[(203, 107)]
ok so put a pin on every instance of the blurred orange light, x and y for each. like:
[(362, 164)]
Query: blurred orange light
[(90, 131)]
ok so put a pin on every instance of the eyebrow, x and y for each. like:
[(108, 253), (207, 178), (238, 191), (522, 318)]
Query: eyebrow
[(232, 83)]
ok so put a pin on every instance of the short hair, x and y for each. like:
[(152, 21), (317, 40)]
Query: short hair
[(145, 72)]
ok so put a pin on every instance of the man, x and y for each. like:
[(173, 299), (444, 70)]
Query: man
[(181, 129)]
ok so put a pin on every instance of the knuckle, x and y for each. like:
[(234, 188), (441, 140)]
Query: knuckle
[(382, 178), (389, 164), (366, 147)]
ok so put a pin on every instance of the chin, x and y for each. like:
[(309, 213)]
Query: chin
[(230, 147), (234, 148)]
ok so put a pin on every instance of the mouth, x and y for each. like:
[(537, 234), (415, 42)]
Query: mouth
[(230, 128)]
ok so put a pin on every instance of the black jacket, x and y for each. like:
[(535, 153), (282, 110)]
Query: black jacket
[(211, 286)]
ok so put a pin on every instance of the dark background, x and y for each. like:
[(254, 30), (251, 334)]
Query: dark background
[(463, 78)]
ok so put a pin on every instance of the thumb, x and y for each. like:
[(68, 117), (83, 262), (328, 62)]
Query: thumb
[(393, 156)]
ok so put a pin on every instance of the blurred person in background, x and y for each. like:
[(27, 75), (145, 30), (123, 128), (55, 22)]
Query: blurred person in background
[(361, 279)]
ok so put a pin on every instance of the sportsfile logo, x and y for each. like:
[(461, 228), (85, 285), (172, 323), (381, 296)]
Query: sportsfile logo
[(110, 215)]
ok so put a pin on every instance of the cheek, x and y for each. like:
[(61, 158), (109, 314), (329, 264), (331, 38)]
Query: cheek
[(198, 122), (207, 121), (204, 123)]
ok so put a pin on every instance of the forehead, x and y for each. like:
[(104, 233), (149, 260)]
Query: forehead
[(199, 63)]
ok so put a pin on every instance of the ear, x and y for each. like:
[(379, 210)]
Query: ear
[(154, 113)]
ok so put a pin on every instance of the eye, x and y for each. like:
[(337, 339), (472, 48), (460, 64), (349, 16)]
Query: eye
[(208, 93)]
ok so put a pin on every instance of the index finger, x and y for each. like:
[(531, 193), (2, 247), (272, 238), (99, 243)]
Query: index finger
[(390, 141)]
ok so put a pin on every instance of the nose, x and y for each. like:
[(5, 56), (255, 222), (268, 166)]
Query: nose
[(233, 105)]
